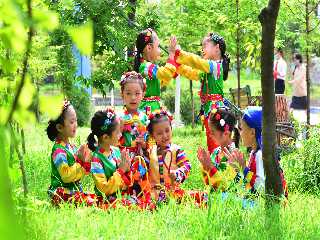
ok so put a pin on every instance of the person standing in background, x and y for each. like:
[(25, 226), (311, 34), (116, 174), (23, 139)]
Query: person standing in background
[(299, 84), (279, 72)]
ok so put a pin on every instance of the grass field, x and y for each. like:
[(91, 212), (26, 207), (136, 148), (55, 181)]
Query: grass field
[(222, 220)]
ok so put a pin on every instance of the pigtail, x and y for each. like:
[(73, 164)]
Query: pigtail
[(143, 39), (52, 130), (137, 61), (225, 66), (236, 137), (92, 143)]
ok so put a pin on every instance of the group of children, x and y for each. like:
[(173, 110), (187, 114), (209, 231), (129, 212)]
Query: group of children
[(131, 156)]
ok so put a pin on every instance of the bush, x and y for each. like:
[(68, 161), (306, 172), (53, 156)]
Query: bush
[(81, 102), (168, 97), (302, 167)]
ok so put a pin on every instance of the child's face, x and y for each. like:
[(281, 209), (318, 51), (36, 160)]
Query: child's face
[(162, 133), (210, 50), (132, 95), (153, 51), (248, 135), (220, 137), (113, 140), (69, 128)]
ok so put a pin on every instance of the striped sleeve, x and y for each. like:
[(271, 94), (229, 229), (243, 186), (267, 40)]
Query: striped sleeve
[(164, 73), (189, 72), (106, 186), (196, 62), (184, 166), (68, 173)]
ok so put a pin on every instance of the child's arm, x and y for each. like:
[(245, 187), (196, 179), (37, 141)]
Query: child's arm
[(108, 186), (214, 174), (184, 166), (164, 74), (68, 173), (196, 62), (189, 72)]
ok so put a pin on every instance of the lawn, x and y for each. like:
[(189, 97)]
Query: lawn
[(224, 219)]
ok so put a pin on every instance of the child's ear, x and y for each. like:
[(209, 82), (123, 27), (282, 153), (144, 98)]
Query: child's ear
[(59, 127)]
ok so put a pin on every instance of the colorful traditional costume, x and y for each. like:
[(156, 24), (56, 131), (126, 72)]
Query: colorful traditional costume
[(173, 160), (253, 174), (110, 180), (133, 126), (210, 73), (66, 171), (156, 77), (221, 176)]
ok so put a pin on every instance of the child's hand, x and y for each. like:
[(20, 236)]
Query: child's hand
[(204, 158), (140, 140), (235, 158), (125, 162), (172, 46), (84, 153)]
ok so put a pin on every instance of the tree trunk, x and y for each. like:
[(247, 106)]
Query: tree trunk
[(308, 65), (238, 52), (268, 19), (131, 20)]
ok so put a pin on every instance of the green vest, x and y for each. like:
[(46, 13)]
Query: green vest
[(56, 180), (108, 165)]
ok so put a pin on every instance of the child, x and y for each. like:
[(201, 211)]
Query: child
[(148, 52), (133, 121), (67, 165), (251, 134), (211, 70), (110, 168), (218, 170), (169, 165)]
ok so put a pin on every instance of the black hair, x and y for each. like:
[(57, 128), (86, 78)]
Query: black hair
[(298, 57), (99, 126), (157, 118), (143, 39), (52, 130), (230, 122), (132, 77), (217, 39), (280, 50)]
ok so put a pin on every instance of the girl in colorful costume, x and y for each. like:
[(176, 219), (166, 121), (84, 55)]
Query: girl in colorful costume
[(133, 121), (169, 165), (148, 52), (218, 171), (211, 70), (68, 165), (110, 168), (251, 134)]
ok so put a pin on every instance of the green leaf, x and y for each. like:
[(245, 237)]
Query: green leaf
[(51, 105), (82, 36), (44, 19)]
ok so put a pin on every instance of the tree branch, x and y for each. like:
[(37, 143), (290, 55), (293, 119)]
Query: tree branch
[(25, 63), (314, 8), (317, 25)]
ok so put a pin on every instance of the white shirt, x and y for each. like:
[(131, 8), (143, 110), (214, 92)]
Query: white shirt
[(281, 67), (260, 179)]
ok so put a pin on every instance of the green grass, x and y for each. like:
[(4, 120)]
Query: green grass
[(223, 220)]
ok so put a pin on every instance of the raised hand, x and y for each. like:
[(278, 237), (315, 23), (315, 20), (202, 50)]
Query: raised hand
[(172, 46), (204, 158), (84, 153), (125, 162), (235, 158)]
